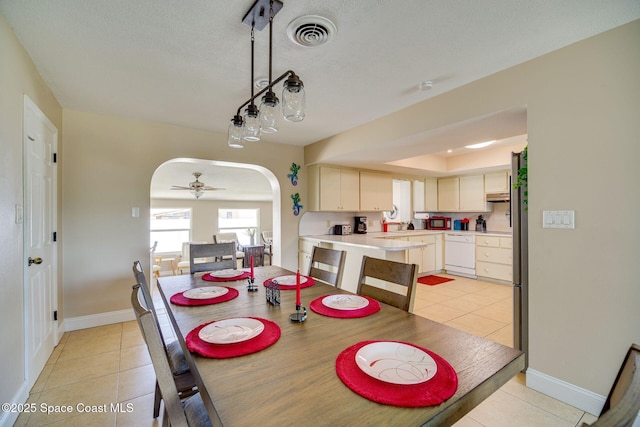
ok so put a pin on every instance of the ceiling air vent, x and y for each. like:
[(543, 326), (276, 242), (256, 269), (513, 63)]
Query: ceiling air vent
[(311, 30)]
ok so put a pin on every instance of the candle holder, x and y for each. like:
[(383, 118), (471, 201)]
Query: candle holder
[(300, 315), (251, 286), (273, 292)]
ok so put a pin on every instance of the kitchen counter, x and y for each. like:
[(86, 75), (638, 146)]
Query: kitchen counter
[(389, 241)]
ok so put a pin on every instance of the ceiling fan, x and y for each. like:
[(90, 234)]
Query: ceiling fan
[(196, 187)]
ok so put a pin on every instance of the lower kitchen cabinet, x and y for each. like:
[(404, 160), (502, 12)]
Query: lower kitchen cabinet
[(424, 257), (494, 257)]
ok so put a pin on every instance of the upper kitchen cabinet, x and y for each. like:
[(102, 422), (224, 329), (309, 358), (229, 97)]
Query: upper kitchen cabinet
[(333, 189), (472, 196), (496, 182), (462, 194), (431, 194), (449, 194), (376, 191)]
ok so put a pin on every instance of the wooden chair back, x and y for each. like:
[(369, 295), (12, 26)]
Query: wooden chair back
[(159, 360), (622, 407), (401, 276), (218, 256), (327, 265)]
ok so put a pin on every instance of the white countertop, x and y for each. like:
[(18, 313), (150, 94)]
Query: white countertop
[(386, 241)]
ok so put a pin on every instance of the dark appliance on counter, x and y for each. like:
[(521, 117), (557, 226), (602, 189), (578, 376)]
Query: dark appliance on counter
[(464, 224), (361, 225), (419, 224), (342, 229), (439, 223), (481, 224)]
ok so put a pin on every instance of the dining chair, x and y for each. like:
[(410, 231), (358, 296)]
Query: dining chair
[(389, 282), (184, 382), (184, 263), (267, 241), (622, 407), (231, 237), (187, 412), (212, 256), (327, 265)]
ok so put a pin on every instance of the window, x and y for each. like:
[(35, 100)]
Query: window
[(170, 227), (243, 222)]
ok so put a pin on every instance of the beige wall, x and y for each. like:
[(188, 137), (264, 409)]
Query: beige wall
[(108, 168), (18, 77), (583, 104)]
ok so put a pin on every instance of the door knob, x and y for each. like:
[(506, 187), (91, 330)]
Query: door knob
[(37, 260)]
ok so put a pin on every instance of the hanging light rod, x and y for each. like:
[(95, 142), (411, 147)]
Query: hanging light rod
[(249, 126)]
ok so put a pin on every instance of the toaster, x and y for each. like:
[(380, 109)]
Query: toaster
[(342, 229)]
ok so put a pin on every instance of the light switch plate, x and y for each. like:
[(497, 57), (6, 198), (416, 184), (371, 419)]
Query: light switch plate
[(19, 214), (558, 219)]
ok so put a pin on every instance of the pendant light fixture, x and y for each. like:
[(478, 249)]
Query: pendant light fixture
[(254, 121)]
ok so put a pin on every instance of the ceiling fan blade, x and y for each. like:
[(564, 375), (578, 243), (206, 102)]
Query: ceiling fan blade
[(209, 188), (179, 187)]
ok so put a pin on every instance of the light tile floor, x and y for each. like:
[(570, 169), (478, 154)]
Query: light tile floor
[(109, 365)]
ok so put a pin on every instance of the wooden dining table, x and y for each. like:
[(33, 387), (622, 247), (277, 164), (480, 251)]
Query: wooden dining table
[(294, 381)]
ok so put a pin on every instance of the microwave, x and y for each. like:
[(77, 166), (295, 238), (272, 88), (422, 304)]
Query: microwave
[(439, 223)]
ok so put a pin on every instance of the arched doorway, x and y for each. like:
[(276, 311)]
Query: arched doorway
[(236, 187)]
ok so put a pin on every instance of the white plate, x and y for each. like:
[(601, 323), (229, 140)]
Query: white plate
[(229, 331), (345, 302), (396, 363), (205, 292), (289, 280), (225, 274)]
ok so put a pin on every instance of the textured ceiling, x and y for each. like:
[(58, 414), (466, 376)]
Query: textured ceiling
[(188, 63)]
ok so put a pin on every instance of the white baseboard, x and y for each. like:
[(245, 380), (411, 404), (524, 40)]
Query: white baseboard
[(568, 393), (7, 419), (100, 319)]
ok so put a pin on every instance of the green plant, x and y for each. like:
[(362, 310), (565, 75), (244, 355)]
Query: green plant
[(522, 179)]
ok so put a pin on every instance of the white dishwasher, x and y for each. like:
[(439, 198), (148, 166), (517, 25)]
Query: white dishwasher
[(460, 254)]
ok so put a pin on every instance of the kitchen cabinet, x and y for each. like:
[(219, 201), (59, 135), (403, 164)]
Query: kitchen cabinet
[(496, 182), (494, 257), (376, 191), (333, 189), (449, 194), (472, 195), (439, 251), (462, 194), (431, 194), (424, 257)]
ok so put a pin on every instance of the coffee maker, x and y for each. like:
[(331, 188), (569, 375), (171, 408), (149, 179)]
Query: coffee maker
[(361, 225), (481, 224)]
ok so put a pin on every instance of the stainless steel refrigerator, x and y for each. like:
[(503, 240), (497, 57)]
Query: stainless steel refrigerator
[(519, 218)]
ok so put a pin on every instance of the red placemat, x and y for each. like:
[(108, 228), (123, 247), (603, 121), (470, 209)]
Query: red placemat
[(306, 284), (432, 392), (317, 306), (268, 337), (209, 278), (180, 299)]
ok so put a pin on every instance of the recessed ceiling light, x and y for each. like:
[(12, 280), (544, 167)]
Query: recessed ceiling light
[(480, 144), (449, 151)]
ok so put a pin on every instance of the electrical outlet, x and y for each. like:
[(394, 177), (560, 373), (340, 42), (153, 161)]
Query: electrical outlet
[(328, 223)]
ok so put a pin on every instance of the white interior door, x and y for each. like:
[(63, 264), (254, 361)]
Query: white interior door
[(40, 198)]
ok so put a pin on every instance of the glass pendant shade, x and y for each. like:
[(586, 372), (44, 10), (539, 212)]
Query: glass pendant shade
[(234, 139), (197, 192), (293, 99), (268, 113), (251, 130)]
